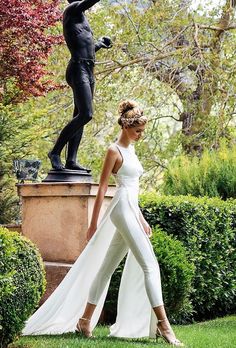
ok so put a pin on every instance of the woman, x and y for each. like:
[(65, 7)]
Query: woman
[(123, 229)]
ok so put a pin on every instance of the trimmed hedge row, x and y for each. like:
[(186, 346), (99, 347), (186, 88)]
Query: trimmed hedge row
[(206, 227), (22, 283), (176, 273)]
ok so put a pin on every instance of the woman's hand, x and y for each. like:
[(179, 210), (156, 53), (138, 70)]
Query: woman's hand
[(145, 224), (90, 232), (147, 229)]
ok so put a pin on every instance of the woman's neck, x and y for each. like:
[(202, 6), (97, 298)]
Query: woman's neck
[(123, 140)]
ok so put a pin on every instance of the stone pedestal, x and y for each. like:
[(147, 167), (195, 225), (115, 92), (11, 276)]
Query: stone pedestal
[(68, 175), (55, 216)]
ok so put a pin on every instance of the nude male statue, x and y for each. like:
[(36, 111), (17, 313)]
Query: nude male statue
[(79, 75)]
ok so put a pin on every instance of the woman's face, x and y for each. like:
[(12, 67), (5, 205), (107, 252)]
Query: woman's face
[(135, 133)]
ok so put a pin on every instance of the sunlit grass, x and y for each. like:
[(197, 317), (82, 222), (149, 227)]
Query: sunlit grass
[(219, 333)]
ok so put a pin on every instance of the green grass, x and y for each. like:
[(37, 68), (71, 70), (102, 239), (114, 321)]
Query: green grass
[(218, 333)]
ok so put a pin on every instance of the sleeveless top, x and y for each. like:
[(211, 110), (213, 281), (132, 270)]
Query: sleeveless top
[(131, 169)]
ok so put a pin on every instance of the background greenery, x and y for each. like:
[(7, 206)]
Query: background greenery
[(213, 174)]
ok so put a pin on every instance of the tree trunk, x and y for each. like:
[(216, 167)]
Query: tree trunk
[(198, 104)]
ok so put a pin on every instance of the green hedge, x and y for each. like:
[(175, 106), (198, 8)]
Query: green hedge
[(206, 227), (176, 273), (22, 283)]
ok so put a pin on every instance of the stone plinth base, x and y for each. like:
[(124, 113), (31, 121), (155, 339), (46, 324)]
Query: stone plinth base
[(55, 272), (55, 216)]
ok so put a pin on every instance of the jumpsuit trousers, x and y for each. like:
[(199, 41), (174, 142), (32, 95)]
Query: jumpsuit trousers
[(129, 235)]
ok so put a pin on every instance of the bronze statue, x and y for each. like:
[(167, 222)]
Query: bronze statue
[(80, 77)]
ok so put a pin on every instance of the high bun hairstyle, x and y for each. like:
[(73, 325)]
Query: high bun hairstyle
[(131, 115)]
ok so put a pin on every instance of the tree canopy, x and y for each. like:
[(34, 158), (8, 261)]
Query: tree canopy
[(191, 53)]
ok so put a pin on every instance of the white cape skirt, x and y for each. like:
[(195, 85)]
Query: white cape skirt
[(61, 311)]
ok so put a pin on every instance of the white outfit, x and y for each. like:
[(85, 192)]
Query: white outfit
[(120, 231)]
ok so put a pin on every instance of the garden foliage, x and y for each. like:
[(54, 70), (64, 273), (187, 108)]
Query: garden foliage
[(22, 283), (213, 174)]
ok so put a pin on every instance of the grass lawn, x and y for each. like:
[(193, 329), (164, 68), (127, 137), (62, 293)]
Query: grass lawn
[(219, 333)]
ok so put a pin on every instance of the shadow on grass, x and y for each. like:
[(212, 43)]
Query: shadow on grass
[(101, 339), (97, 338)]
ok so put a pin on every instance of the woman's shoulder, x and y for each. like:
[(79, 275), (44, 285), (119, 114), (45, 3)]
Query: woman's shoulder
[(112, 150), (112, 146)]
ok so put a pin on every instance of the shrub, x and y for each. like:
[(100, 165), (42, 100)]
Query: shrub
[(206, 227), (212, 175), (176, 274), (9, 209), (22, 283)]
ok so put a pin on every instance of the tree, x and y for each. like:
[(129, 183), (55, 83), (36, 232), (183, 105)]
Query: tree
[(25, 43), (192, 54)]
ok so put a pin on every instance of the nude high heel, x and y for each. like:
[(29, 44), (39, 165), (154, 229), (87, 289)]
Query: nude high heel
[(85, 332), (173, 341)]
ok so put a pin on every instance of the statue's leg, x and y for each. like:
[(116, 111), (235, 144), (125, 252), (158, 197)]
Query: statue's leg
[(82, 108), (78, 79), (74, 142), (70, 130), (73, 146)]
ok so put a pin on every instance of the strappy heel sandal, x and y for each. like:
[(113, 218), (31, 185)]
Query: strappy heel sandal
[(173, 341), (83, 332)]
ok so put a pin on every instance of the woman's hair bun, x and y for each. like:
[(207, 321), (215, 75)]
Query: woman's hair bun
[(130, 114), (126, 105)]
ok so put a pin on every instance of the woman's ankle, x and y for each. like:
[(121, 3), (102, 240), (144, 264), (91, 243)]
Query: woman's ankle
[(85, 319)]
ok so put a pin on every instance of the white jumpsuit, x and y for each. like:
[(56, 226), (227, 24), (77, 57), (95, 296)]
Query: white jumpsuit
[(129, 234), (120, 231)]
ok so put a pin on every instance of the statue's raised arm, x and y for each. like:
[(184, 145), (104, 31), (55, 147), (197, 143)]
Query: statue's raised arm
[(81, 6)]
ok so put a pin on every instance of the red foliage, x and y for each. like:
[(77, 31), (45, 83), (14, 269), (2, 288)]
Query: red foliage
[(25, 43)]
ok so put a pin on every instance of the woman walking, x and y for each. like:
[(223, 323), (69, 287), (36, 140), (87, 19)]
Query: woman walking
[(122, 230)]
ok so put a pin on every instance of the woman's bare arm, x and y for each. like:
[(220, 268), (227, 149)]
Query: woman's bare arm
[(108, 165)]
